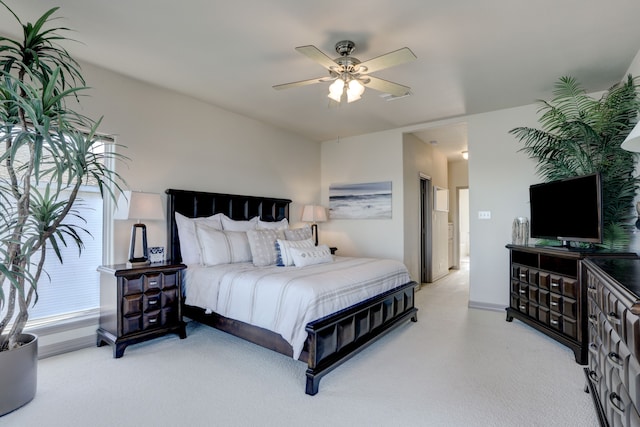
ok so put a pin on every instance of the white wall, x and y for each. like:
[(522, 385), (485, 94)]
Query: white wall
[(178, 142), (499, 180), (420, 158), (368, 158), (458, 178)]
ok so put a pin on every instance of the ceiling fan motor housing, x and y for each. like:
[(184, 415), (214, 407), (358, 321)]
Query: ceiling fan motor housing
[(345, 47)]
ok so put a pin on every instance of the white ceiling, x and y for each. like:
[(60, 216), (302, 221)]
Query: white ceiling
[(473, 56)]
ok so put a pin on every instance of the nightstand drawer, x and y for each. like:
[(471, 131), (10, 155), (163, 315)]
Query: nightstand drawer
[(151, 301), (152, 281)]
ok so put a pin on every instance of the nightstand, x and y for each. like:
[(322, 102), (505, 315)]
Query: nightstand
[(139, 303)]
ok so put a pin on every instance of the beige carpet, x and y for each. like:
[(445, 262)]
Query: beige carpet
[(455, 367)]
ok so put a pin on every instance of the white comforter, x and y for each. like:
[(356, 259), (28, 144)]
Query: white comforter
[(285, 299)]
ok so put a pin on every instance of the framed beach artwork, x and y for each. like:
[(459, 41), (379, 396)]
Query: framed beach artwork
[(371, 200)]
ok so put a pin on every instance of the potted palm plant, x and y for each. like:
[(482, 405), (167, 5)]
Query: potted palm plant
[(582, 135), (49, 151)]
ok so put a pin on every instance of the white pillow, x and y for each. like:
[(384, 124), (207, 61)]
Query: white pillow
[(222, 246), (310, 256), (233, 225), (301, 233), (263, 247), (189, 247), (284, 250)]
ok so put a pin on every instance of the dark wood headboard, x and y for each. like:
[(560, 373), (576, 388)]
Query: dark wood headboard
[(194, 204)]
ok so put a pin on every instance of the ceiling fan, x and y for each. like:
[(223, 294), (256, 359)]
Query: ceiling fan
[(350, 76)]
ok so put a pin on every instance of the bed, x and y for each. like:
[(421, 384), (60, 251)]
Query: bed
[(331, 339)]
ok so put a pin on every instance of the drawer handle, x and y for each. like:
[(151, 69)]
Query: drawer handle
[(613, 318), (554, 322), (523, 291), (615, 360), (555, 285), (153, 301), (153, 320), (153, 282), (616, 403), (523, 275), (523, 307), (555, 304), (593, 376)]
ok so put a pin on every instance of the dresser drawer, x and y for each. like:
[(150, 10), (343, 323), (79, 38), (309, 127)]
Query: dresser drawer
[(555, 302), (555, 283)]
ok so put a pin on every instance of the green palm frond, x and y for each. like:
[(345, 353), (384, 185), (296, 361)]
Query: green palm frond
[(50, 151), (580, 135)]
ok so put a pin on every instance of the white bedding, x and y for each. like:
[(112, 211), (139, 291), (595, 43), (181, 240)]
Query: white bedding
[(285, 299)]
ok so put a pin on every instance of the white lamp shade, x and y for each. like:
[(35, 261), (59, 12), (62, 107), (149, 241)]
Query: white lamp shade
[(632, 141), (139, 206), (314, 213), (336, 89), (354, 91)]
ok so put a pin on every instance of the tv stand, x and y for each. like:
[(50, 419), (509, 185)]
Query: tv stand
[(546, 292)]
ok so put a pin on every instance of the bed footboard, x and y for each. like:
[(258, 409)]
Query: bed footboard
[(336, 338)]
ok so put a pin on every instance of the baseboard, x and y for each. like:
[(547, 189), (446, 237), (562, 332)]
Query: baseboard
[(61, 347), (486, 306), (63, 334)]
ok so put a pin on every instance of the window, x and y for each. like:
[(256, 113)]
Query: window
[(73, 288)]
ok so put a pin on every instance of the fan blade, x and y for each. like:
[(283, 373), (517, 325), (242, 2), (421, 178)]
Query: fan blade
[(303, 83), (317, 55), (390, 59), (385, 86)]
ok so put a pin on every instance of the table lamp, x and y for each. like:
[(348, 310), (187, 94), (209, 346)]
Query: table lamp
[(139, 206), (314, 214)]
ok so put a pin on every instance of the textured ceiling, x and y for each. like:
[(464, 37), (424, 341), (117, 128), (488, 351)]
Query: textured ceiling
[(473, 56)]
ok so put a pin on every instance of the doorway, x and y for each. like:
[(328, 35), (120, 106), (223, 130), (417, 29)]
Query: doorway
[(463, 226), (425, 226)]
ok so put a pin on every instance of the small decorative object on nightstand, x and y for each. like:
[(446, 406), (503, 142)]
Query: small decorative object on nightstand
[(333, 250), (139, 303)]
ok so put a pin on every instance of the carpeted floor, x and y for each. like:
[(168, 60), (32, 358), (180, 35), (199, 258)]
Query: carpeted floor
[(455, 367)]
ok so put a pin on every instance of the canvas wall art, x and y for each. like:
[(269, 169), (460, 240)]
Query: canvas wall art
[(360, 201)]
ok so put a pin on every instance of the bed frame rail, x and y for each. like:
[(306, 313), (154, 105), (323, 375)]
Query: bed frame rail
[(336, 338)]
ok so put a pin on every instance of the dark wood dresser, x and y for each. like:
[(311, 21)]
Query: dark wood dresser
[(139, 303), (613, 306), (547, 292)]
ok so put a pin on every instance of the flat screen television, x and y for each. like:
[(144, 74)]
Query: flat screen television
[(569, 210)]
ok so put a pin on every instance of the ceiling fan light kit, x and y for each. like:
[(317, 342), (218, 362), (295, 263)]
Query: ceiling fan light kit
[(350, 76)]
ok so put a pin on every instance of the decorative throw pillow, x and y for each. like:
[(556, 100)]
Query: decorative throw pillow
[(282, 224), (233, 225), (222, 246), (310, 256), (279, 226), (263, 247), (189, 247), (301, 233), (284, 250)]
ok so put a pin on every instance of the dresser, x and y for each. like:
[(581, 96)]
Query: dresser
[(139, 303), (546, 291), (613, 371)]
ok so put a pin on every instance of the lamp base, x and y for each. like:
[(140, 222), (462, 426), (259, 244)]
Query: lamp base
[(132, 264), (138, 261)]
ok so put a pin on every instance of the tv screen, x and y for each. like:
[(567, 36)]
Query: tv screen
[(568, 209)]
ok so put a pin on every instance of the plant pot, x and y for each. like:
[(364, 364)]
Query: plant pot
[(18, 374)]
